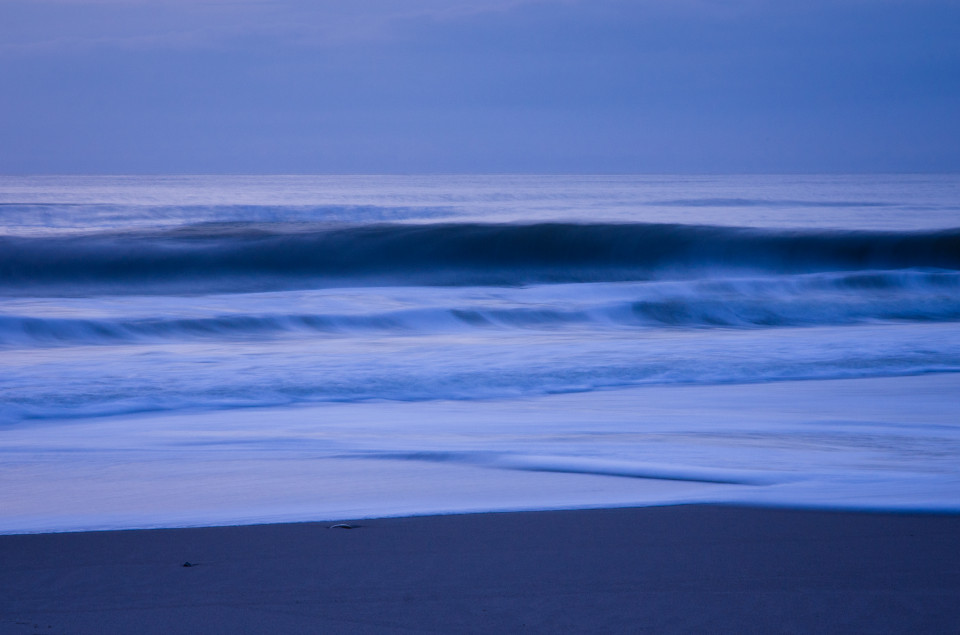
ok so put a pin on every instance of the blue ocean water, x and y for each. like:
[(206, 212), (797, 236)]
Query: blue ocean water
[(728, 335)]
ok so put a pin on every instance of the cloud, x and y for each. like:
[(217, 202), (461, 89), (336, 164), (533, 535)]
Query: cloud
[(45, 26), (465, 85)]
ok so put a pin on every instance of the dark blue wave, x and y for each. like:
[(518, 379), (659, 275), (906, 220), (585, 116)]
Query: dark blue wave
[(222, 255), (790, 301)]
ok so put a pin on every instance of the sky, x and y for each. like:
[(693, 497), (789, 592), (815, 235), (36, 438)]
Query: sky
[(467, 86)]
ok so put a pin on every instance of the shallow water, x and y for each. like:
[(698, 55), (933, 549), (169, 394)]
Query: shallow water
[(498, 342)]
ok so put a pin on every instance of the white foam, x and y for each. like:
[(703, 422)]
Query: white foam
[(890, 443)]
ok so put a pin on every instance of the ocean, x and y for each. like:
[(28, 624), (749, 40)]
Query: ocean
[(191, 350)]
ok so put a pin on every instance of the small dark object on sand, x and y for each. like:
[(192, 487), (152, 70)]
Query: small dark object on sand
[(343, 526)]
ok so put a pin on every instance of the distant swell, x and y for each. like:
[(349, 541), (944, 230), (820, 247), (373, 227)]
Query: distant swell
[(760, 202), (223, 255)]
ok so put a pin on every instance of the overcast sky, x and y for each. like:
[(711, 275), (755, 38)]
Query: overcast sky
[(373, 86)]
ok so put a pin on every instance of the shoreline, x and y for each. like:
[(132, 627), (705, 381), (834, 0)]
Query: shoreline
[(882, 443), (357, 521), (674, 568)]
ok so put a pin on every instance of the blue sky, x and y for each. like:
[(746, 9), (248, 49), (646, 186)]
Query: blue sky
[(372, 86)]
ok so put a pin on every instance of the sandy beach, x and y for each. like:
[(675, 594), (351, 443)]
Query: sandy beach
[(679, 569)]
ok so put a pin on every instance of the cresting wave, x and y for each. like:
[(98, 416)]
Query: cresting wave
[(236, 256), (806, 300), (83, 217)]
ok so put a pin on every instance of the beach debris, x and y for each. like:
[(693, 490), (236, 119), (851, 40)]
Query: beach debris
[(343, 526)]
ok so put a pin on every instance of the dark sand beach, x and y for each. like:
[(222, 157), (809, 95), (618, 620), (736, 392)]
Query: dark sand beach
[(680, 569)]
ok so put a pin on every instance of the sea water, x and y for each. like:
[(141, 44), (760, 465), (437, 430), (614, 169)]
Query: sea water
[(201, 350)]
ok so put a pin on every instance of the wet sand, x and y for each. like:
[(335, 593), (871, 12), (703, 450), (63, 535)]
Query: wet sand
[(681, 569)]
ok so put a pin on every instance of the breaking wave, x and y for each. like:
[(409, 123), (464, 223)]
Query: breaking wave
[(240, 256), (783, 301)]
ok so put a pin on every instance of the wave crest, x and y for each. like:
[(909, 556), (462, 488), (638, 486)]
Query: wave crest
[(807, 300), (242, 255)]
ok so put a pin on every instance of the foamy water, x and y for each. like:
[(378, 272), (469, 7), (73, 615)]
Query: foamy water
[(191, 350)]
